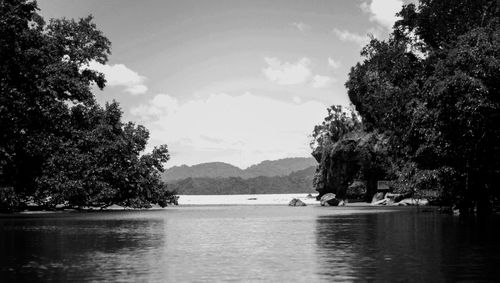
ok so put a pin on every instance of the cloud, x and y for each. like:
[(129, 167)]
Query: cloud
[(121, 75), (319, 81), (383, 12), (240, 130), (161, 104), (296, 73), (347, 36), (302, 27), (333, 63), (287, 73)]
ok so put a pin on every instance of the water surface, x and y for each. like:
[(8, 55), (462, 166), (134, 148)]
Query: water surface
[(249, 243)]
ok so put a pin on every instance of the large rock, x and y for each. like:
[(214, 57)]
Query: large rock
[(405, 202), (329, 200), (395, 197), (296, 202), (410, 201), (384, 201), (378, 197)]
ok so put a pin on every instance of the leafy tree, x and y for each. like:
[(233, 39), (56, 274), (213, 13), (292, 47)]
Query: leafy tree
[(433, 89), (335, 126), (345, 152), (57, 145), (334, 151)]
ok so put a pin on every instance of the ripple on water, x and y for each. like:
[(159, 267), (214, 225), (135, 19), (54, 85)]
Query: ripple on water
[(249, 243)]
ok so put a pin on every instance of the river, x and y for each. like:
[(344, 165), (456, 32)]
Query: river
[(268, 243)]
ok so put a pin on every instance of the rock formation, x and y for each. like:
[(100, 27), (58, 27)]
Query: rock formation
[(296, 202)]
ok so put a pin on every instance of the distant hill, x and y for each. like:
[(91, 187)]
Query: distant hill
[(280, 167), (210, 170), (296, 182)]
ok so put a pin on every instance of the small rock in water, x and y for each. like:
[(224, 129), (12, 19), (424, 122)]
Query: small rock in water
[(296, 202)]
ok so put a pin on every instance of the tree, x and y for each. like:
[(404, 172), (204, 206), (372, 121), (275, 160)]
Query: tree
[(433, 89), (346, 152), (57, 145)]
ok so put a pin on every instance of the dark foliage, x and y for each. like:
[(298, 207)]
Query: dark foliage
[(58, 147), (432, 89)]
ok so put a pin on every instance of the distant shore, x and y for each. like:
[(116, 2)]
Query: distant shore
[(200, 200), (247, 199), (214, 200)]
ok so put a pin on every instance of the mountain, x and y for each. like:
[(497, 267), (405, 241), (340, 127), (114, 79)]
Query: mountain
[(295, 182), (280, 167), (210, 170)]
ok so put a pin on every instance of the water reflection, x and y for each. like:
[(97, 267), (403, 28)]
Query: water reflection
[(249, 243), (76, 248), (188, 244), (407, 246), (269, 244)]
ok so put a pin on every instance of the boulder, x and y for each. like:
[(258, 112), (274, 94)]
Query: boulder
[(378, 197), (394, 197), (333, 202), (329, 200), (326, 197), (296, 202), (380, 202), (410, 201)]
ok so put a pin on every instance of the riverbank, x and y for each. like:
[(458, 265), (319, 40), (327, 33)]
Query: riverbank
[(222, 200)]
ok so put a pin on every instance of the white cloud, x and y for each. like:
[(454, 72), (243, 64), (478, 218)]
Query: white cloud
[(240, 130), (333, 63), (319, 81), (121, 75), (302, 27), (382, 12), (287, 73), (161, 104), (347, 36)]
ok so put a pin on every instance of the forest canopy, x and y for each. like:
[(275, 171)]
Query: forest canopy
[(58, 146), (429, 104)]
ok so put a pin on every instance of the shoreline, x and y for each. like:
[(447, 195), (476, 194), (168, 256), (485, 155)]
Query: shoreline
[(127, 209), (214, 201)]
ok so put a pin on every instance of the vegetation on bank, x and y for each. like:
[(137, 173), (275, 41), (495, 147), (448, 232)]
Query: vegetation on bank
[(58, 146), (427, 106), (296, 182)]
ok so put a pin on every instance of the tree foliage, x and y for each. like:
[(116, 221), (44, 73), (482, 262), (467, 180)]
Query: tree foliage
[(57, 145), (346, 152), (432, 89)]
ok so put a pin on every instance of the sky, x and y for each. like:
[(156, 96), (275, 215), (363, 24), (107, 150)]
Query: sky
[(229, 80)]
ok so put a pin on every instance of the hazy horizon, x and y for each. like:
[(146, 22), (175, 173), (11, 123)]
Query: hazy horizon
[(242, 168)]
